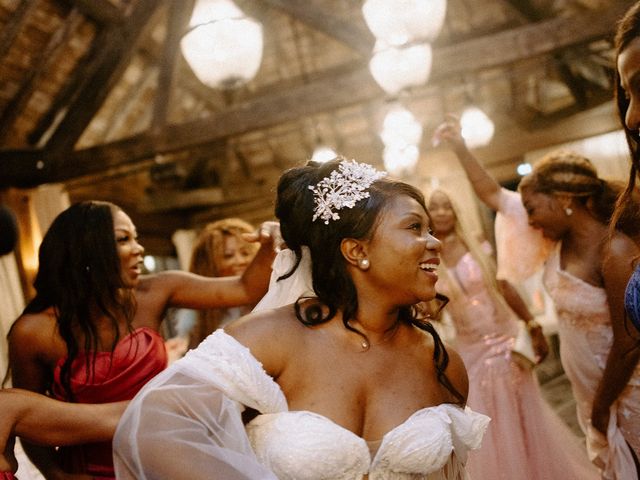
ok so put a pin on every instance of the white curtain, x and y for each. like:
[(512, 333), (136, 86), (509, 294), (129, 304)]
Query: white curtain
[(11, 302), (183, 241)]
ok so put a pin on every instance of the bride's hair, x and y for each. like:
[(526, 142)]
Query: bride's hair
[(332, 282)]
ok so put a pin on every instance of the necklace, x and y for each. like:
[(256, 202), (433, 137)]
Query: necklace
[(386, 336)]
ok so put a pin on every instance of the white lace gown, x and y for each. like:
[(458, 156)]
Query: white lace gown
[(186, 424)]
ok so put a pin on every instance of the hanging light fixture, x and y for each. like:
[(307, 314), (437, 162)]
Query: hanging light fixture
[(323, 153), (401, 134), (477, 128), (396, 68), (400, 128), (398, 22), (400, 162), (223, 46)]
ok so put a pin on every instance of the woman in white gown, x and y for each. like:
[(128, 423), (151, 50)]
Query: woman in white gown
[(334, 375)]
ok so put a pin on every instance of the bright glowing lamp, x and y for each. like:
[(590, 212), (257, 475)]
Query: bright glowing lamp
[(400, 128), (400, 21), (401, 161), (477, 127), (223, 46), (396, 68), (323, 153)]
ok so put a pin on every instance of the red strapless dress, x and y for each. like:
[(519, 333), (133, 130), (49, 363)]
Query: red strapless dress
[(117, 376)]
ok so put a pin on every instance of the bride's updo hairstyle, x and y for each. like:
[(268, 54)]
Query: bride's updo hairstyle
[(333, 286)]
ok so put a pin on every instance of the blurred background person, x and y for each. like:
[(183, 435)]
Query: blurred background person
[(560, 219), (220, 250), (485, 313)]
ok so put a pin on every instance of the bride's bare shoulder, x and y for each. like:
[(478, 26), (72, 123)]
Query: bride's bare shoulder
[(268, 334)]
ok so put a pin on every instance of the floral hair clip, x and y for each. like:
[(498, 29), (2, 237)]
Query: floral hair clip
[(343, 188)]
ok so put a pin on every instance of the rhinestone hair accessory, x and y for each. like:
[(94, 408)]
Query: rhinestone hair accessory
[(342, 189)]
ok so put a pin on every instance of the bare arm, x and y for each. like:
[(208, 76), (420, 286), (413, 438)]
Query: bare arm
[(518, 305), (45, 421), (624, 354), (484, 185), (30, 340), (183, 289)]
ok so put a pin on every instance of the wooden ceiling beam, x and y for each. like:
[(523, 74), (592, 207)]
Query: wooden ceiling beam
[(41, 65), (177, 22), (353, 86), (527, 41), (103, 12), (306, 11), (11, 29), (106, 69)]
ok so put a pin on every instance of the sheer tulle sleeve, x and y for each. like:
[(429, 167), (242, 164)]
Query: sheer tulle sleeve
[(520, 249), (186, 423)]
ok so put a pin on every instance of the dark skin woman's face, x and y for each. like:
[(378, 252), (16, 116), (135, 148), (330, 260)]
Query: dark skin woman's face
[(629, 71)]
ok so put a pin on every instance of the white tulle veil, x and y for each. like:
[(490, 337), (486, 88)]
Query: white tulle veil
[(288, 290)]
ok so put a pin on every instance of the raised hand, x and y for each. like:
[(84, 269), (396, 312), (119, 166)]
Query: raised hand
[(449, 132), (267, 233)]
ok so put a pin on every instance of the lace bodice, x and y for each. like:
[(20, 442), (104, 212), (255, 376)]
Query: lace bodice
[(577, 302), (304, 445), (475, 312), (301, 445)]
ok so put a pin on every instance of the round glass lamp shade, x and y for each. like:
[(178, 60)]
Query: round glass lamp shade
[(400, 128), (477, 127), (223, 47), (401, 161), (323, 153), (396, 68), (400, 21)]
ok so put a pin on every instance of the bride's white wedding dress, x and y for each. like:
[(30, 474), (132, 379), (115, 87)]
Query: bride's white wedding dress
[(186, 423)]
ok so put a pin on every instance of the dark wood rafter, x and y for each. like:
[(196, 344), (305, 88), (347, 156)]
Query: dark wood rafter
[(74, 84), (136, 93), (42, 63), (525, 9), (177, 21), (334, 91), (101, 11), (109, 64), (19, 18), (360, 40), (576, 85)]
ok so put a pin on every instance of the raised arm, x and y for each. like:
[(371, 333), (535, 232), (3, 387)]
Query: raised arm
[(624, 354), (188, 290), (484, 185)]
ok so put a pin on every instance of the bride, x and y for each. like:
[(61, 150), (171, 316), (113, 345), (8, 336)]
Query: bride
[(333, 375)]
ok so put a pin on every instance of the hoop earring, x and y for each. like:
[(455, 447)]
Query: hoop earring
[(364, 264), (568, 211)]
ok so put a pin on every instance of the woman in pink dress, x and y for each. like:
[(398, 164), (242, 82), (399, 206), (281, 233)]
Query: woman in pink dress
[(485, 314), (560, 218)]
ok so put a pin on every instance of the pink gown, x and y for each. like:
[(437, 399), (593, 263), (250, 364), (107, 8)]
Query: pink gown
[(525, 440), (585, 333)]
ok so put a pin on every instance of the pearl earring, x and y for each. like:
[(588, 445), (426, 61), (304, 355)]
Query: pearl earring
[(568, 211), (363, 263)]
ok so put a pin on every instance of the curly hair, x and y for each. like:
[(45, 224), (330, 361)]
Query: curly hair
[(206, 256), (332, 282)]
